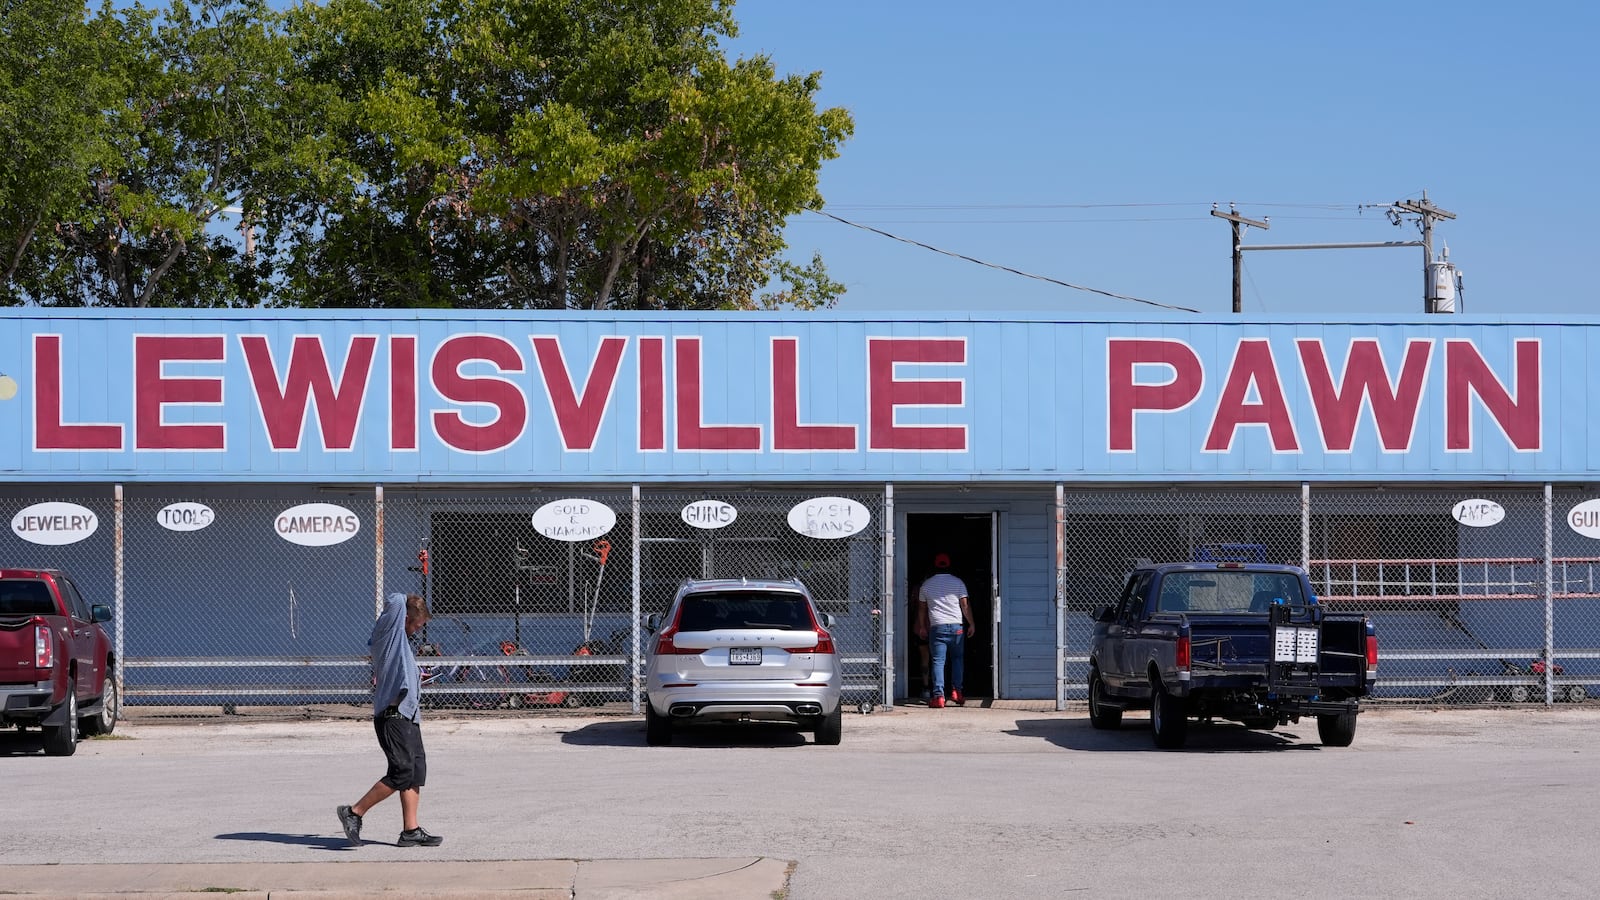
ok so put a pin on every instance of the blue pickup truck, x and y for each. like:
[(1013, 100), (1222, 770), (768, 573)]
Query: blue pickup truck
[(1243, 641)]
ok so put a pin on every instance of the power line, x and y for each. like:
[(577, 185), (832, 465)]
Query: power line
[(931, 206), (1076, 287)]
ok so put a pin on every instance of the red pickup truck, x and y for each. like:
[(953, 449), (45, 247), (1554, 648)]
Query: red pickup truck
[(57, 665)]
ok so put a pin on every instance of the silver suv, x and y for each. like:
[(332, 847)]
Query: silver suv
[(738, 650)]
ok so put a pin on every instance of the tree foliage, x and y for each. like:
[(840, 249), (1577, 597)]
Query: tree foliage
[(546, 154), (170, 116)]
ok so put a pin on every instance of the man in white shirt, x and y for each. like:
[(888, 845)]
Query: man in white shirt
[(944, 619)]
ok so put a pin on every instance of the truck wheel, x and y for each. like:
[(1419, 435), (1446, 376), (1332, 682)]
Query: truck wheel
[(657, 729), (1101, 715), (1519, 693), (62, 740), (1337, 729), (106, 720), (1577, 693), (1169, 719), (830, 728)]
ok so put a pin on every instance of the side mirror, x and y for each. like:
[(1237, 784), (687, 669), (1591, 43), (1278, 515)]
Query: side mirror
[(100, 612), (829, 620), (1105, 614), (652, 622)]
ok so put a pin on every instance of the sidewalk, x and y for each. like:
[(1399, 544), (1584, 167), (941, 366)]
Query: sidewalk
[(748, 878)]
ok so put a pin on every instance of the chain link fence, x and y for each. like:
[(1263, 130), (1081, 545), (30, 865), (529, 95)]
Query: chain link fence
[(237, 596), (1106, 531), (759, 540), (265, 597)]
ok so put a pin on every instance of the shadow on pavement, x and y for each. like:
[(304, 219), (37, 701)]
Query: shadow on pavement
[(1134, 736), (25, 744), (630, 733), (315, 841)]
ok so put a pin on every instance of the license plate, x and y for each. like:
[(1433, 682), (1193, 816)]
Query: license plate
[(744, 656)]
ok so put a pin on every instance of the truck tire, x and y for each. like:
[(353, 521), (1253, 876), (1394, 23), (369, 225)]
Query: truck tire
[(1169, 719), (105, 721), (657, 729), (1337, 729), (62, 740), (1101, 715), (1577, 693)]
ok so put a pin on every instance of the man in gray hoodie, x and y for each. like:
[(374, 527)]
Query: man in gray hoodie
[(397, 718)]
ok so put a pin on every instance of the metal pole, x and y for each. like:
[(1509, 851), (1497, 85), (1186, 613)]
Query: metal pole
[(377, 551), (1375, 245), (638, 612), (1549, 597), (886, 647), (1061, 597), (1305, 526), (118, 590)]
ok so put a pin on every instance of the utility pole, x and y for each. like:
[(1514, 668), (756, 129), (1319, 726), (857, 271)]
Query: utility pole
[(1427, 211), (1232, 215)]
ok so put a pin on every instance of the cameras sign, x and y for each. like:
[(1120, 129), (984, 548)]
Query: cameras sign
[(316, 524)]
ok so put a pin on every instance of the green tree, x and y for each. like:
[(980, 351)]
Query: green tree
[(157, 124), (545, 154), (54, 84)]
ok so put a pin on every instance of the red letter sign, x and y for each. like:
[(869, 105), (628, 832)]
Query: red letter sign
[(153, 390), (886, 393), (511, 409), (1125, 395)]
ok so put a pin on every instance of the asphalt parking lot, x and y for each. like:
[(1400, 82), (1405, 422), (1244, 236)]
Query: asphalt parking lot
[(962, 802)]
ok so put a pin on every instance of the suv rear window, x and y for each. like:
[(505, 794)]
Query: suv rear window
[(739, 609), (25, 598)]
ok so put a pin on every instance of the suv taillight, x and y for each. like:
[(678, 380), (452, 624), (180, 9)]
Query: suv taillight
[(665, 646), (824, 643), (44, 649)]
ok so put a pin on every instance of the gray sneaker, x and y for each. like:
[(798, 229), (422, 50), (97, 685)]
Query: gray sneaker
[(352, 825), (416, 837)]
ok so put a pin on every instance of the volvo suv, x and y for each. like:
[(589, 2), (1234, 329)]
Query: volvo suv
[(740, 650)]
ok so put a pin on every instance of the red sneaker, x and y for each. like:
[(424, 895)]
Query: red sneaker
[(957, 699), (936, 703)]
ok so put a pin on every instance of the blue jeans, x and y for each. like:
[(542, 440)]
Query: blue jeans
[(948, 641)]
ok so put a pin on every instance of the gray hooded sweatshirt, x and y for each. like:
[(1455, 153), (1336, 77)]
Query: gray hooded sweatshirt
[(393, 662)]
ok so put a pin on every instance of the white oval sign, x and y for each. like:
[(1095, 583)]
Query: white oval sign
[(574, 520), (829, 517), (54, 523), (316, 524), (709, 514), (1478, 513), (1585, 518), (185, 516)]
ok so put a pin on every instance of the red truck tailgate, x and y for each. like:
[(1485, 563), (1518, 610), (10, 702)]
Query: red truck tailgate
[(18, 648)]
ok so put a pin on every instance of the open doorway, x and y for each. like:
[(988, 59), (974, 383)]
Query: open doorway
[(969, 540)]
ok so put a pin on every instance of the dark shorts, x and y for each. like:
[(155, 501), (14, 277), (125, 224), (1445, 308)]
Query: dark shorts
[(401, 740)]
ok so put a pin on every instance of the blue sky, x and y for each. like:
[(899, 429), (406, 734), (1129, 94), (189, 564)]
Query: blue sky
[(1087, 142)]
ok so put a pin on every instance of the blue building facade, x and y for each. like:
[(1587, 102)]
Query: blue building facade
[(1020, 441)]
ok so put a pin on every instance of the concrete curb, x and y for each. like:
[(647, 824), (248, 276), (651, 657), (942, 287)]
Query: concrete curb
[(746, 878)]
